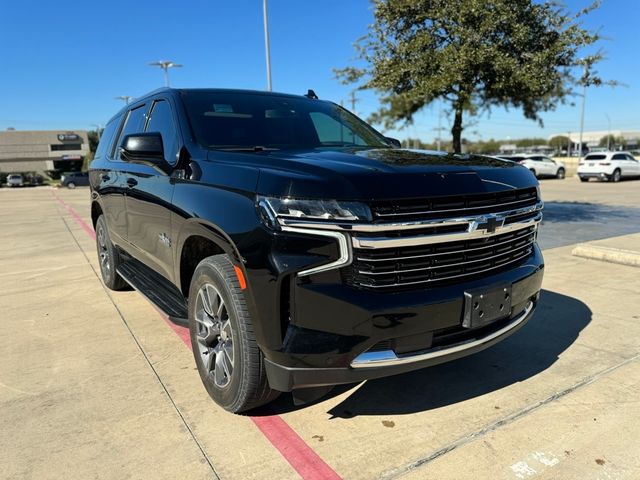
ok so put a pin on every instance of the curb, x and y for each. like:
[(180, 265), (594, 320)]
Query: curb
[(607, 254)]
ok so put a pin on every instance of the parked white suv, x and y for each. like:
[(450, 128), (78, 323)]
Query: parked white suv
[(14, 180), (610, 166), (540, 165)]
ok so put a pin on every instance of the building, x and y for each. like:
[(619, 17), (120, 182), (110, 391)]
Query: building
[(49, 152), (592, 139)]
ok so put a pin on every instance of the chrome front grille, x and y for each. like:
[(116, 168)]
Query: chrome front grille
[(438, 263)]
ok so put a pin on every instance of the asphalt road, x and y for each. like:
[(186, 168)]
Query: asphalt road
[(578, 212)]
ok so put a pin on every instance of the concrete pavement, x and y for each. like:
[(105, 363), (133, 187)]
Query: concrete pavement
[(94, 384)]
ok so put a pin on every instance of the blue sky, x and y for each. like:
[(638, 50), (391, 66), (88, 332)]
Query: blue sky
[(63, 63)]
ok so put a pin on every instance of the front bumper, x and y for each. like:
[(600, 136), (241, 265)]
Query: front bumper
[(336, 330), (288, 378)]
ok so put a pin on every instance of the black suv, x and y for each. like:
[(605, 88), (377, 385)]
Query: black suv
[(302, 248)]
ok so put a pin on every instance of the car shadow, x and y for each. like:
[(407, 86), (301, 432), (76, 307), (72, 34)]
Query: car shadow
[(561, 212), (534, 348)]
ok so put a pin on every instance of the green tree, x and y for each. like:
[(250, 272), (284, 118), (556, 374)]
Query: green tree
[(530, 142), (93, 140), (472, 54), (560, 142), (608, 141)]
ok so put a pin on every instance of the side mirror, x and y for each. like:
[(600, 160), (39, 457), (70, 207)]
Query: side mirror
[(394, 141), (145, 149)]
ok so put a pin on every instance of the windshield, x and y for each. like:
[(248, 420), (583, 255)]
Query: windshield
[(257, 122)]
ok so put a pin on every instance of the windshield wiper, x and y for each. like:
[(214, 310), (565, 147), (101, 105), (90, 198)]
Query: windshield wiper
[(256, 148)]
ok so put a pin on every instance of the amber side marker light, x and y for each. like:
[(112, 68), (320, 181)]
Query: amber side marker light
[(240, 275)]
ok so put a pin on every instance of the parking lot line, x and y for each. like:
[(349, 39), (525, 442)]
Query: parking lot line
[(304, 460)]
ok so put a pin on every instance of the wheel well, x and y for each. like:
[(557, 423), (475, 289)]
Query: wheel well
[(96, 211), (194, 250)]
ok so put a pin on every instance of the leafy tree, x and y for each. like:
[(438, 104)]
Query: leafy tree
[(608, 141), (560, 142), (93, 140), (530, 142), (472, 54)]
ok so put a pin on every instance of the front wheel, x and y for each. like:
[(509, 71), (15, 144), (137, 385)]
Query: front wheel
[(229, 361), (108, 256), (584, 179), (71, 185), (560, 174)]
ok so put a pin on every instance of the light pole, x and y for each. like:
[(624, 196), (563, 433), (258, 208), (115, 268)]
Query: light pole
[(609, 134), (98, 128), (267, 49), (125, 98), (165, 65), (584, 97)]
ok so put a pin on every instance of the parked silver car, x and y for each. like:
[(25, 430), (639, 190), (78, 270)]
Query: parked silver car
[(15, 180)]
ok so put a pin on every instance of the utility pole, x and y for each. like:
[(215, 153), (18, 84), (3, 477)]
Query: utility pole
[(584, 97), (439, 129), (267, 49), (569, 144), (98, 129), (354, 100)]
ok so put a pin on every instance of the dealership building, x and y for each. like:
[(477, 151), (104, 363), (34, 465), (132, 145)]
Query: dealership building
[(49, 152)]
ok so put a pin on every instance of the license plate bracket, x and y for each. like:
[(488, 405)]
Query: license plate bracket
[(486, 305)]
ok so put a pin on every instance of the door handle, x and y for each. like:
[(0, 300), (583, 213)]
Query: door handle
[(132, 182), (105, 177)]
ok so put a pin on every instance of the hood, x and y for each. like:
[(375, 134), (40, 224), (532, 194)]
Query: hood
[(377, 173)]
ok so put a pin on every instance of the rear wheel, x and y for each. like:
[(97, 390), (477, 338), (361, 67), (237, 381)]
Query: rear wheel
[(615, 177), (584, 179), (108, 256), (71, 185), (228, 358), (560, 174)]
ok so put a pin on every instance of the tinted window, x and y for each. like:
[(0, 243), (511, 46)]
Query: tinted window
[(106, 138), (595, 157), (619, 156), (161, 121), (242, 121), (133, 124), (331, 131)]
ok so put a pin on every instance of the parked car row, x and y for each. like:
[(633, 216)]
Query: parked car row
[(540, 165), (610, 166)]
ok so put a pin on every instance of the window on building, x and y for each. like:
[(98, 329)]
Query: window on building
[(66, 146)]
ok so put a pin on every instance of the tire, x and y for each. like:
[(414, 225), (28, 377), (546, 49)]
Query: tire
[(615, 177), (560, 174), (71, 185), (534, 173), (584, 179), (109, 257), (229, 361)]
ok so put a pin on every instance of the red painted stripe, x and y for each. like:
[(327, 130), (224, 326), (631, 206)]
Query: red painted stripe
[(291, 446)]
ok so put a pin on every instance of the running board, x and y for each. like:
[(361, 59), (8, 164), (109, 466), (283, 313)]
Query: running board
[(157, 289)]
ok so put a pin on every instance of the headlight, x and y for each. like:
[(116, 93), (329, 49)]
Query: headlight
[(317, 209)]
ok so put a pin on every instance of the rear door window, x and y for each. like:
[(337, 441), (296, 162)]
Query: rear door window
[(619, 156), (162, 121), (133, 124)]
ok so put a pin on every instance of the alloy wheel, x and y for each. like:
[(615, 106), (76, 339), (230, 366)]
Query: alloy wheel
[(103, 252), (214, 334)]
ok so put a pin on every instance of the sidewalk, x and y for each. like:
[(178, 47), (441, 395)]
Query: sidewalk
[(624, 250)]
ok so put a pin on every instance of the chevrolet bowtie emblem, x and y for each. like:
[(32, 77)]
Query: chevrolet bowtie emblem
[(488, 223)]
